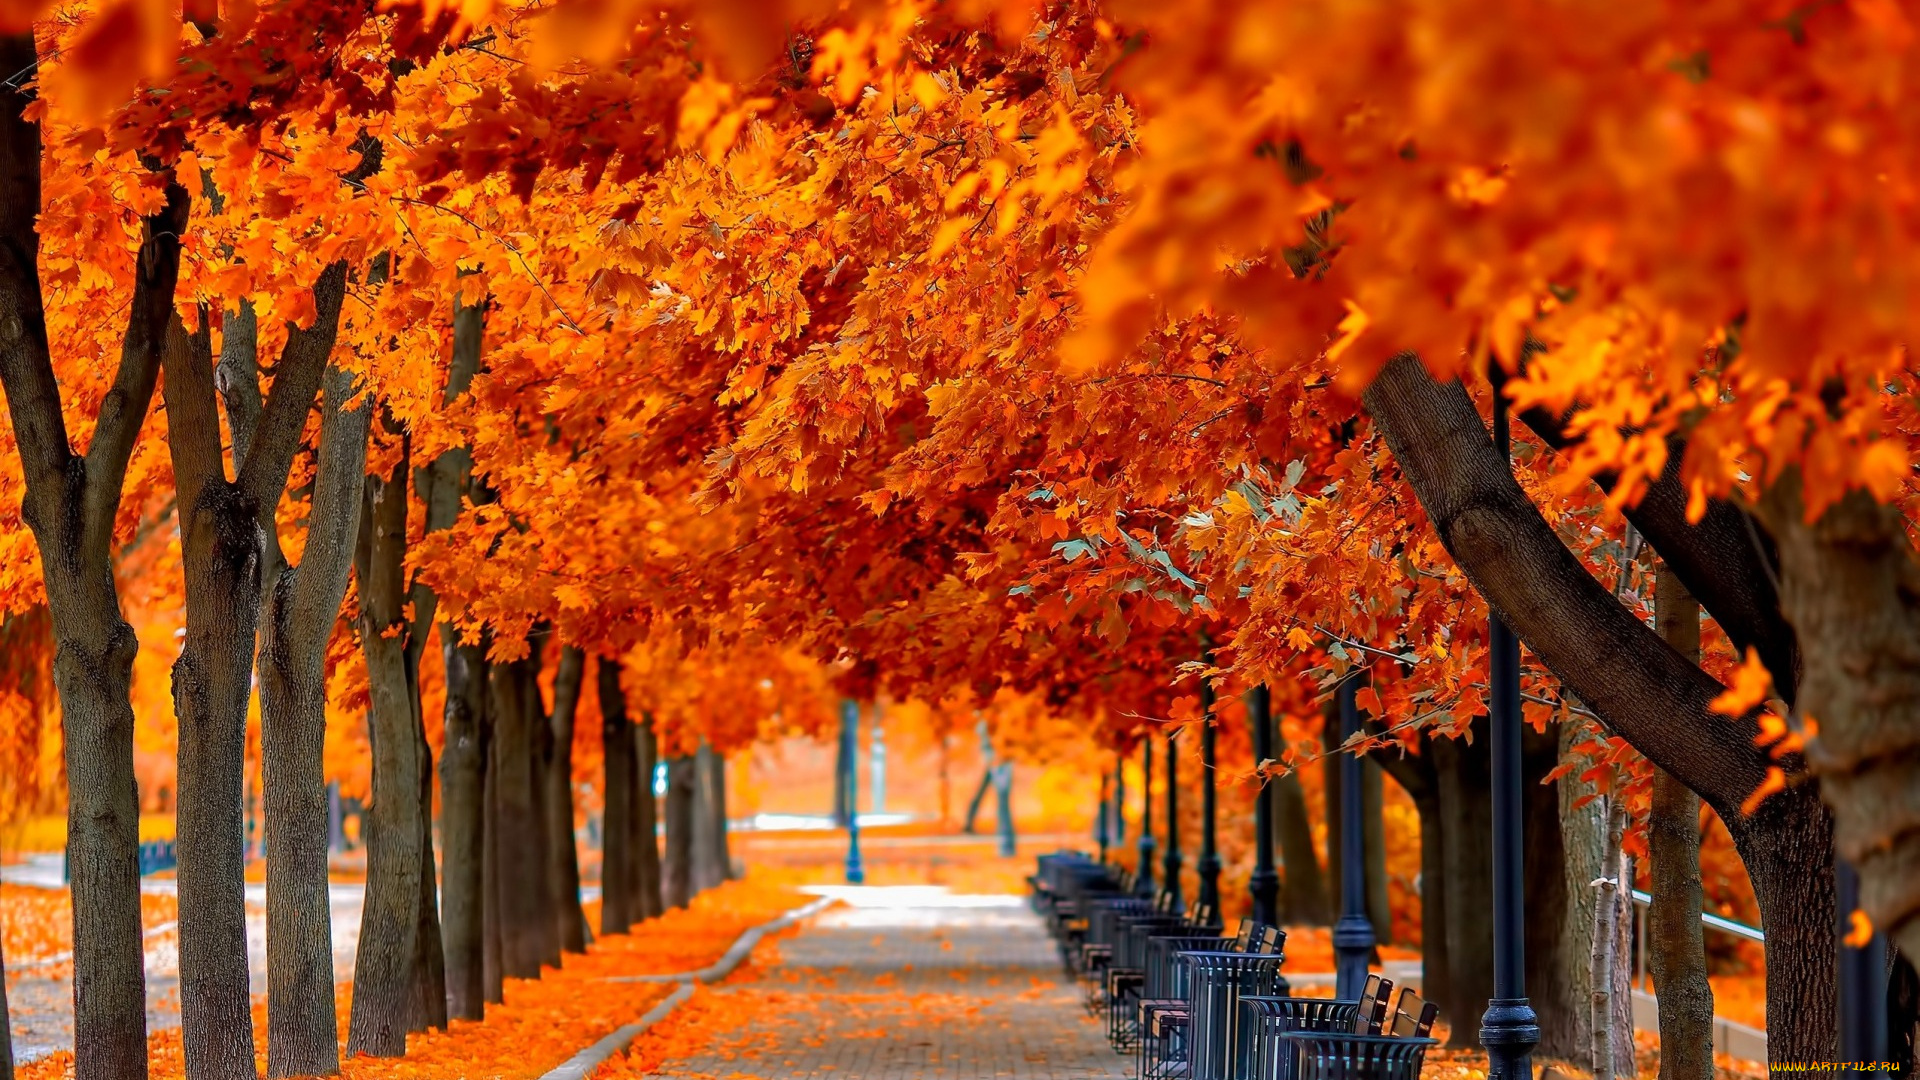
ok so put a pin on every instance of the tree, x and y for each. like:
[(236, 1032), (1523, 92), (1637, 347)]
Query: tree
[(71, 504), (1676, 945)]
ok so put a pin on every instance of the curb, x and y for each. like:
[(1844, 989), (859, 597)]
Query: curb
[(582, 1064), (741, 948)]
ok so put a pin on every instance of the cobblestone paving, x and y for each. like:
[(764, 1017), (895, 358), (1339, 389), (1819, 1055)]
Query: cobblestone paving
[(900, 984)]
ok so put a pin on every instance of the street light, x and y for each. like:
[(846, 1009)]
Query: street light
[(1209, 864), (1102, 809), (1509, 1029), (1143, 877), (1170, 865), (1265, 882), (1353, 934), (850, 748)]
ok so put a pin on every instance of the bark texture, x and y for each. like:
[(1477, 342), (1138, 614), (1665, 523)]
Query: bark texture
[(1607, 1042), (303, 1034), (1676, 941), (463, 823), (383, 985), (1851, 586), (563, 861), (711, 863), (678, 869), (6, 1024), (523, 897), (231, 554), (70, 504), (619, 822), (466, 717), (646, 860), (220, 549), (1645, 691)]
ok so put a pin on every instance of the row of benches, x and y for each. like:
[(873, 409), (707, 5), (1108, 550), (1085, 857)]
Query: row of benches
[(1190, 1004)]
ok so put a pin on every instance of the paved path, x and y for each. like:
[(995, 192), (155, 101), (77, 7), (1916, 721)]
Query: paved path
[(908, 983)]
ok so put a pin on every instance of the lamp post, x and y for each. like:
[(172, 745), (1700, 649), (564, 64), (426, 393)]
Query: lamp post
[(1170, 863), (1143, 878), (877, 761), (1509, 1029), (1863, 979), (1101, 810), (1353, 934), (1264, 884), (1119, 801), (850, 747), (1209, 863)]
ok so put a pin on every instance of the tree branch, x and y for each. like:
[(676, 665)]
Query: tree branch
[(1715, 558), (1651, 695), (239, 376), (26, 365), (297, 378), (125, 408), (333, 524), (193, 424)]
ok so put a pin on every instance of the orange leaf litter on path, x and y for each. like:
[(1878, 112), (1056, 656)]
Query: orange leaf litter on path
[(38, 923), (543, 1021)]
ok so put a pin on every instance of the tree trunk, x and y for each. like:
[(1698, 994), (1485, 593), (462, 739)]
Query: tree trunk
[(563, 861), (1850, 584), (1551, 964), (1459, 864), (679, 885), (525, 919), (1303, 885), (70, 504), (463, 824), (620, 828), (492, 959), (1467, 813), (303, 1031), (646, 859), (1374, 806), (6, 1024), (1676, 941), (429, 1009), (709, 822), (1787, 846), (383, 984), (220, 548), (1646, 692), (1604, 1051), (1416, 775), (463, 774)]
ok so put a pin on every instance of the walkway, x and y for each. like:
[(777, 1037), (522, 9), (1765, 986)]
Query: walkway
[(907, 983)]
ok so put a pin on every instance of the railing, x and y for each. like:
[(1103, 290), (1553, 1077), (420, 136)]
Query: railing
[(1729, 1037), (1713, 922), (1716, 922), (154, 856)]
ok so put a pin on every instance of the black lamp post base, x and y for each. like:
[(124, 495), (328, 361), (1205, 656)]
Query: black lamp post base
[(1143, 880), (1209, 870), (1352, 948), (1509, 1029), (1264, 885)]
